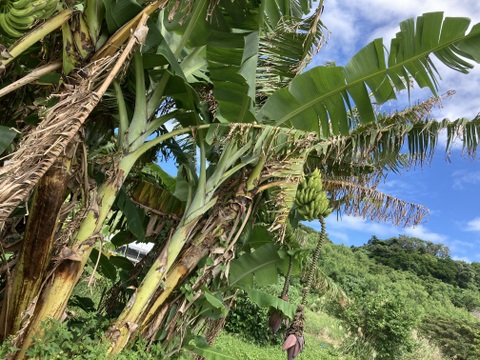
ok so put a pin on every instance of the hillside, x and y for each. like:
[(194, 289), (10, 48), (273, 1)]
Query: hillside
[(393, 298)]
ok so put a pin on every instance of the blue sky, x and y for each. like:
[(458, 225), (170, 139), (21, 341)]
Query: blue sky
[(451, 190)]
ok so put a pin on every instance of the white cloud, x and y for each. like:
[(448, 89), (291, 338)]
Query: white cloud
[(405, 187), (353, 24), (473, 225), (462, 246), (465, 178), (339, 236), (465, 101), (352, 223), (342, 229), (424, 233), (464, 250)]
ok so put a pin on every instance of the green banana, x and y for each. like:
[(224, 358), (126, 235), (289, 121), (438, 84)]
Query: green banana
[(19, 16), (20, 13), (38, 5), (20, 4), (311, 200), (8, 29), (311, 194), (19, 23), (49, 9)]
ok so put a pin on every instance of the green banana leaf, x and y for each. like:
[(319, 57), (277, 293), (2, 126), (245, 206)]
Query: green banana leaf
[(264, 300), (199, 346), (274, 11), (6, 137), (135, 216), (262, 262), (321, 98)]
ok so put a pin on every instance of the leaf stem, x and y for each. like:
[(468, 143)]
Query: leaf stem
[(316, 255)]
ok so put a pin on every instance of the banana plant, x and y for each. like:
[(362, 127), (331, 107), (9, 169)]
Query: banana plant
[(209, 60)]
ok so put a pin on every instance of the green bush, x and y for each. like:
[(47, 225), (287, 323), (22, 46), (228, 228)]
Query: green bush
[(380, 323), (249, 321)]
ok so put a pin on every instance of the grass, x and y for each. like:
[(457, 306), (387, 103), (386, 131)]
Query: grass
[(323, 334)]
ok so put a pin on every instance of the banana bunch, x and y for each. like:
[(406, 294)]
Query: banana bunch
[(18, 16), (311, 200)]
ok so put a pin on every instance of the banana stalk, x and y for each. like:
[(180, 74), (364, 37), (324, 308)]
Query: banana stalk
[(322, 237), (71, 261), (94, 14), (175, 276), (37, 244), (122, 330), (78, 45)]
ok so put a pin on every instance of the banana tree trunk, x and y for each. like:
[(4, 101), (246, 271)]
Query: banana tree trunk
[(224, 236), (182, 268), (71, 260), (167, 270), (35, 254), (150, 320), (122, 330)]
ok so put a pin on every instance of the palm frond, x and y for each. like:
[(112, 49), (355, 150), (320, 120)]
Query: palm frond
[(39, 150), (382, 143)]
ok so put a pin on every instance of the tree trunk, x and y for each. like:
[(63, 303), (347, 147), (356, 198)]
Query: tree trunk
[(71, 261), (143, 314), (35, 254)]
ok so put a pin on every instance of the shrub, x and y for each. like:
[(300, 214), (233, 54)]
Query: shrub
[(382, 323), (250, 321), (79, 338), (458, 338)]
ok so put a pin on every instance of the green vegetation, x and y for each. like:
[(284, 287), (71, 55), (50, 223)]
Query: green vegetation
[(390, 313), (425, 297), (320, 337), (100, 97)]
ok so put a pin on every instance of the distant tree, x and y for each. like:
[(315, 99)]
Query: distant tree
[(466, 275), (458, 338), (420, 257)]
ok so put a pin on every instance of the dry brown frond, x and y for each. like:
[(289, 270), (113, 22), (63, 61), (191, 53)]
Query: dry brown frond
[(39, 149), (369, 203)]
